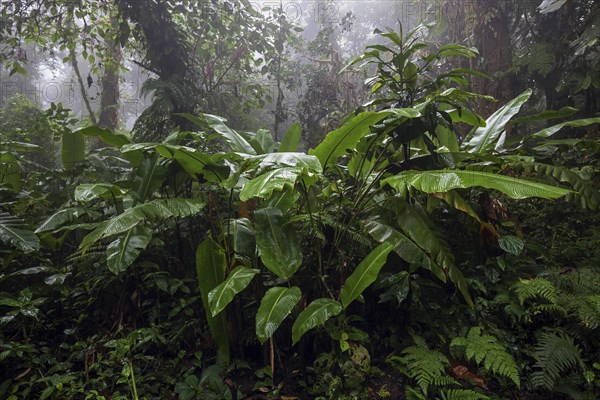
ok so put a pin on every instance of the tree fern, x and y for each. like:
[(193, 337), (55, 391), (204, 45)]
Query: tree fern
[(485, 349), (462, 394), (427, 367), (555, 354)]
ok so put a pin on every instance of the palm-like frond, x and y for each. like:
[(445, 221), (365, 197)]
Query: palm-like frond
[(14, 231)]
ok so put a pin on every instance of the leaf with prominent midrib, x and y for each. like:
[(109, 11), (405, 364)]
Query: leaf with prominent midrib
[(73, 149), (13, 230), (274, 307), (153, 211), (123, 252), (278, 243), (291, 139), (223, 294), (366, 273), (210, 266), (445, 180), (485, 138), (264, 185), (346, 137), (316, 313)]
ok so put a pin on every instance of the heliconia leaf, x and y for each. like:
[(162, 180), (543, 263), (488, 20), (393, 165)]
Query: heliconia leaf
[(59, 218), (195, 162), (274, 307), (278, 243), (546, 115), (153, 211), (315, 314), (223, 294), (547, 132), (452, 198), (210, 266), (485, 138), (237, 142), (264, 185), (110, 138), (14, 231), (264, 140), (90, 191), (365, 273), (148, 178), (445, 180), (291, 139), (346, 137), (73, 149), (310, 164), (123, 252), (405, 247)]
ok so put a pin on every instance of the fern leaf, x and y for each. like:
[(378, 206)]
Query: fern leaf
[(485, 349), (427, 367), (529, 289), (462, 394), (555, 354)]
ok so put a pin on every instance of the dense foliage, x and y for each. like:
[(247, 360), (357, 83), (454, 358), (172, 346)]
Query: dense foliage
[(416, 251)]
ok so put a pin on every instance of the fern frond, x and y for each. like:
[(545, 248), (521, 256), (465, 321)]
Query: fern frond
[(485, 349), (462, 394), (555, 354), (529, 289), (427, 367), (586, 309)]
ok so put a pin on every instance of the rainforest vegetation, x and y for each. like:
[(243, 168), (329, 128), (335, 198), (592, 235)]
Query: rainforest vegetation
[(299, 200)]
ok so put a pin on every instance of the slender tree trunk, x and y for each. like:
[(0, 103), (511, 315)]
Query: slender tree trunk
[(109, 99)]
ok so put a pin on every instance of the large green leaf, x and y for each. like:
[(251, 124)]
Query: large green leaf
[(263, 141), (148, 178), (485, 138), (264, 185), (90, 191), (346, 137), (416, 225), (153, 211), (14, 231), (106, 135), (291, 139), (60, 218), (223, 294), (210, 266), (405, 247), (365, 273), (310, 164), (237, 142), (274, 307), (123, 252), (445, 180), (278, 243), (547, 132), (73, 149), (242, 236), (315, 314)]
